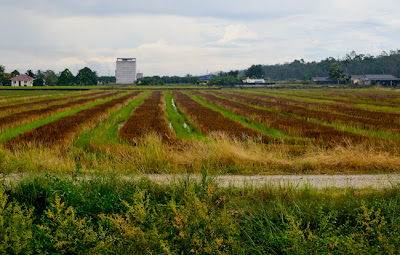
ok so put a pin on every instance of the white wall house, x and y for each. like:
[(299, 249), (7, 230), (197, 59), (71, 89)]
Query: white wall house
[(254, 81), (125, 72), (22, 80)]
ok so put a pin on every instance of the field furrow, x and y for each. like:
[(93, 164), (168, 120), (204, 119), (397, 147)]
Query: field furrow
[(210, 121), (148, 117), (285, 106), (388, 118), (14, 107), (62, 131), (31, 115), (288, 124)]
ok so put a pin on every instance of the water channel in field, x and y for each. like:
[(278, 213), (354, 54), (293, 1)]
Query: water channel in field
[(185, 124)]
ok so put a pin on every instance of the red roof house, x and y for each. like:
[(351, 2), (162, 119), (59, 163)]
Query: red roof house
[(22, 80)]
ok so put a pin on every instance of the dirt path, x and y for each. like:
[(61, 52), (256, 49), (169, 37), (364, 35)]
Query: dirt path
[(374, 181)]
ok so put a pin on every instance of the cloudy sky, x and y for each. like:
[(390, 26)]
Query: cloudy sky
[(177, 37)]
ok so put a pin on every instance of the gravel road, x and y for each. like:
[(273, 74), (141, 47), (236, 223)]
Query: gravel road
[(373, 181)]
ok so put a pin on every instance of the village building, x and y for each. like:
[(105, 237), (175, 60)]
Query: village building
[(254, 81), (125, 72), (22, 80), (321, 80), (372, 79)]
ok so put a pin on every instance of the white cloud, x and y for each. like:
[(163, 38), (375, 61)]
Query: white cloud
[(197, 36), (237, 33)]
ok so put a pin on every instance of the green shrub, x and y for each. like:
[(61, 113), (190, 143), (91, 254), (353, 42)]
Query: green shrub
[(15, 227), (63, 232)]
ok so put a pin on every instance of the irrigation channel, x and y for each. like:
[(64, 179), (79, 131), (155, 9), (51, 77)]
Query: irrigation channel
[(362, 181), (185, 124)]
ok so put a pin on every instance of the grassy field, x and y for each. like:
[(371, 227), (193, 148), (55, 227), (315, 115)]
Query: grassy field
[(80, 157)]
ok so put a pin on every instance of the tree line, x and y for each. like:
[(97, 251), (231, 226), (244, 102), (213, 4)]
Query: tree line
[(353, 63), (84, 77)]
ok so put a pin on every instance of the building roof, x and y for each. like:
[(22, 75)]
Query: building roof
[(22, 77), (381, 77), (375, 77), (357, 76)]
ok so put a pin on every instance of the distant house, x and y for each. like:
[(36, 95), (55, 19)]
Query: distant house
[(22, 80), (254, 81), (206, 78), (370, 79), (321, 80)]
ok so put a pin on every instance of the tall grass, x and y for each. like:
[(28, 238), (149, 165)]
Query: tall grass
[(220, 156), (104, 214)]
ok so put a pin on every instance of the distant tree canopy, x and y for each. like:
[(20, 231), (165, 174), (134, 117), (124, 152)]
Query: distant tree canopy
[(226, 78), (50, 77), (107, 79), (66, 78), (30, 74), (38, 82), (86, 76), (255, 71), (336, 73), (385, 63), (157, 80), (15, 73), (4, 78)]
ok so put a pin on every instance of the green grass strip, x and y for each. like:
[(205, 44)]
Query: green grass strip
[(279, 95), (241, 119), (378, 108), (13, 132), (178, 121), (356, 130), (107, 132)]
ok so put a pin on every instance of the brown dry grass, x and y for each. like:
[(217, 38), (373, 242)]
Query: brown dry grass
[(220, 156)]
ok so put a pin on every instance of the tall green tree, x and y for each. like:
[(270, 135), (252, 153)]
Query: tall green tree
[(3, 80), (255, 71), (2, 71), (39, 74), (50, 77), (336, 73), (86, 76), (66, 78), (15, 73), (38, 82), (30, 73)]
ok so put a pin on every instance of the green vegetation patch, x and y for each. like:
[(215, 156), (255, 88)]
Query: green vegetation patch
[(113, 215), (180, 122)]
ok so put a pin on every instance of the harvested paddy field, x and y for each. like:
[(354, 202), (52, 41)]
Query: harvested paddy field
[(224, 131), (200, 171)]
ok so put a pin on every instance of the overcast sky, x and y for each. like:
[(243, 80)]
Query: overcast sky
[(177, 37)]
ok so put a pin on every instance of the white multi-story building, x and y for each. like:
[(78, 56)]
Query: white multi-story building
[(126, 70)]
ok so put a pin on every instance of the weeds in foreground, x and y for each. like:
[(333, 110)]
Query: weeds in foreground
[(110, 215)]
